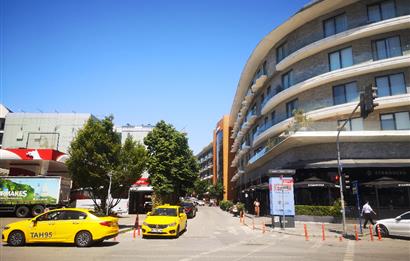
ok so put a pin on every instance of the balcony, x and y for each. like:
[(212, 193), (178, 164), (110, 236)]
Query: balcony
[(257, 156), (386, 102), (237, 175), (259, 83), (340, 74), (394, 24)]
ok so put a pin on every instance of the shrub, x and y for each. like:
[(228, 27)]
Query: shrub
[(319, 210), (240, 206), (225, 204)]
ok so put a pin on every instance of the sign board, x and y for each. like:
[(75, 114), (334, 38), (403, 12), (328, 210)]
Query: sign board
[(18, 190), (281, 196)]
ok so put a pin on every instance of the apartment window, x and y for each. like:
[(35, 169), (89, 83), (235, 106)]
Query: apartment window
[(345, 93), (341, 59), (355, 124), (335, 25), (281, 52), (268, 91), (386, 48), (381, 11), (287, 79), (272, 117), (290, 107), (395, 121), (390, 85)]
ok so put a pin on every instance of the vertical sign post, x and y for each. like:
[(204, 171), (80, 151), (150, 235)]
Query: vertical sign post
[(281, 196), (355, 190)]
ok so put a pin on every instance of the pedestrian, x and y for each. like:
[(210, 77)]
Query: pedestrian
[(367, 211), (256, 204)]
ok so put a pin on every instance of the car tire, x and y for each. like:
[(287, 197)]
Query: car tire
[(37, 210), (177, 232), (16, 238), (384, 232), (22, 211), (83, 239)]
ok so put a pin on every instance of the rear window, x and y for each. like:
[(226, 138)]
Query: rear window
[(98, 214)]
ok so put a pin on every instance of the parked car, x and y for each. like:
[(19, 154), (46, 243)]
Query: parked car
[(165, 220), (190, 209), (67, 225), (399, 226), (201, 203)]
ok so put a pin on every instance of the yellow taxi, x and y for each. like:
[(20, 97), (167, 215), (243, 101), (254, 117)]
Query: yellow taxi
[(66, 225), (165, 220)]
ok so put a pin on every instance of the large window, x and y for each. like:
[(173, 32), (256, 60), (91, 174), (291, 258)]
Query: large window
[(381, 11), (340, 59), (345, 93), (290, 107), (335, 25), (386, 48), (281, 52), (355, 124), (392, 84), (395, 121), (287, 80)]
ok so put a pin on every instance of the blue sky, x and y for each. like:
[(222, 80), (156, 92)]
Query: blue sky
[(142, 61)]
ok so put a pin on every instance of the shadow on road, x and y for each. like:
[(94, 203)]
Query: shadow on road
[(101, 244)]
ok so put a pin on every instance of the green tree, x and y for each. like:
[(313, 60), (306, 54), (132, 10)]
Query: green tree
[(172, 166), (216, 190), (95, 152), (201, 187)]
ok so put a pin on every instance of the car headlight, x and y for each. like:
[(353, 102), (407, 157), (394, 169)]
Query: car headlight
[(6, 227), (172, 224), (145, 223)]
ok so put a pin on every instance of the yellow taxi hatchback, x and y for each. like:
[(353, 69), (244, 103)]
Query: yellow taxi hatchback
[(67, 225), (165, 220)]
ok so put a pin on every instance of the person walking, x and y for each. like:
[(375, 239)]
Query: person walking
[(257, 204), (367, 211)]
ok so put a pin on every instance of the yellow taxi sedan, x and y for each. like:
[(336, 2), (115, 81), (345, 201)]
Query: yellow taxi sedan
[(165, 220), (67, 225)]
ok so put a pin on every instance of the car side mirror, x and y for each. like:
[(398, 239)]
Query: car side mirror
[(181, 215), (148, 213), (398, 218), (34, 221)]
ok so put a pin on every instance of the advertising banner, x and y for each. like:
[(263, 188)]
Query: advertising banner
[(281, 196), (15, 190)]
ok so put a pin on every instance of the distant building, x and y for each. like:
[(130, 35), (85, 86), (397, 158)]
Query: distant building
[(206, 163), (3, 113), (137, 132)]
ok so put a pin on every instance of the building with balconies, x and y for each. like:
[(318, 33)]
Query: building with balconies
[(206, 163), (303, 80)]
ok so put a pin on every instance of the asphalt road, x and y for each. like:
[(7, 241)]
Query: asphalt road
[(216, 235)]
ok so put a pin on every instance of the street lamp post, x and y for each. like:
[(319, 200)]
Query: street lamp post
[(109, 192)]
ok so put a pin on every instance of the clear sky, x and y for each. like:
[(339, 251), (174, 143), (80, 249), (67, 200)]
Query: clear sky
[(142, 61)]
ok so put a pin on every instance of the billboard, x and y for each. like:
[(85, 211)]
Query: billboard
[(281, 196), (29, 190)]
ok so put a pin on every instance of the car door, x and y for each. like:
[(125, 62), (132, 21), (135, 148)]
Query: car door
[(43, 228), (70, 223), (402, 227)]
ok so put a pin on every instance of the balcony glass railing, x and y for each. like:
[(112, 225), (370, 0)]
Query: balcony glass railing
[(257, 156)]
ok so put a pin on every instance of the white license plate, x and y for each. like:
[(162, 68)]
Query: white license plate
[(156, 230)]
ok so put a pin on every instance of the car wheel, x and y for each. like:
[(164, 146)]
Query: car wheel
[(16, 238), (83, 239), (177, 232), (22, 211), (384, 232), (37, 210)]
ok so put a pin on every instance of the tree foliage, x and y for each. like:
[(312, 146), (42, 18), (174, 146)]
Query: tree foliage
[(95, 152), (216, 190), (172, 166)]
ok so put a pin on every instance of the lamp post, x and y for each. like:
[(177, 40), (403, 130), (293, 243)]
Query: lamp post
[(109, 192)]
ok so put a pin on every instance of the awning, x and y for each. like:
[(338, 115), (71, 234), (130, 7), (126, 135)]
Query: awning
[(314, 182), (386, 182)]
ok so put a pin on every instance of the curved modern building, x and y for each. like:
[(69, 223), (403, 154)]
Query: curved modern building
[(302, 81)]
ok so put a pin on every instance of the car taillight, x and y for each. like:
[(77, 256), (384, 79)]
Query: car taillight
[(106, 223)]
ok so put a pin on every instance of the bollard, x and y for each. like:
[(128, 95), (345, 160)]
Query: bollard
[(323, 232), (139, 230), (306, 232), (379, 235), (355, 232), (134, 234), (341, 238), (371, 232)]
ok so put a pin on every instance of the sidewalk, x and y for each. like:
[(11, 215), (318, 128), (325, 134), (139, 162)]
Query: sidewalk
[(314, 229)]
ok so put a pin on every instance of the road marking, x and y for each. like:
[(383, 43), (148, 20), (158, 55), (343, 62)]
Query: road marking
[(349, 254)]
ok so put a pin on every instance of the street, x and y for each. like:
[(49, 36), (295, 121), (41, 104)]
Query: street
[(216, 235)]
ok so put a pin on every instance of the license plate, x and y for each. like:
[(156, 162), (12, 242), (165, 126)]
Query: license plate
[(156, 230)]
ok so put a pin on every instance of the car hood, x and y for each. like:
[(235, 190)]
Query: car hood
[(160, 220), (22, 223), (387, 220)]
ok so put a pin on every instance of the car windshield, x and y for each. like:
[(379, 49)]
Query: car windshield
[(164, 212), (187, 204)]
